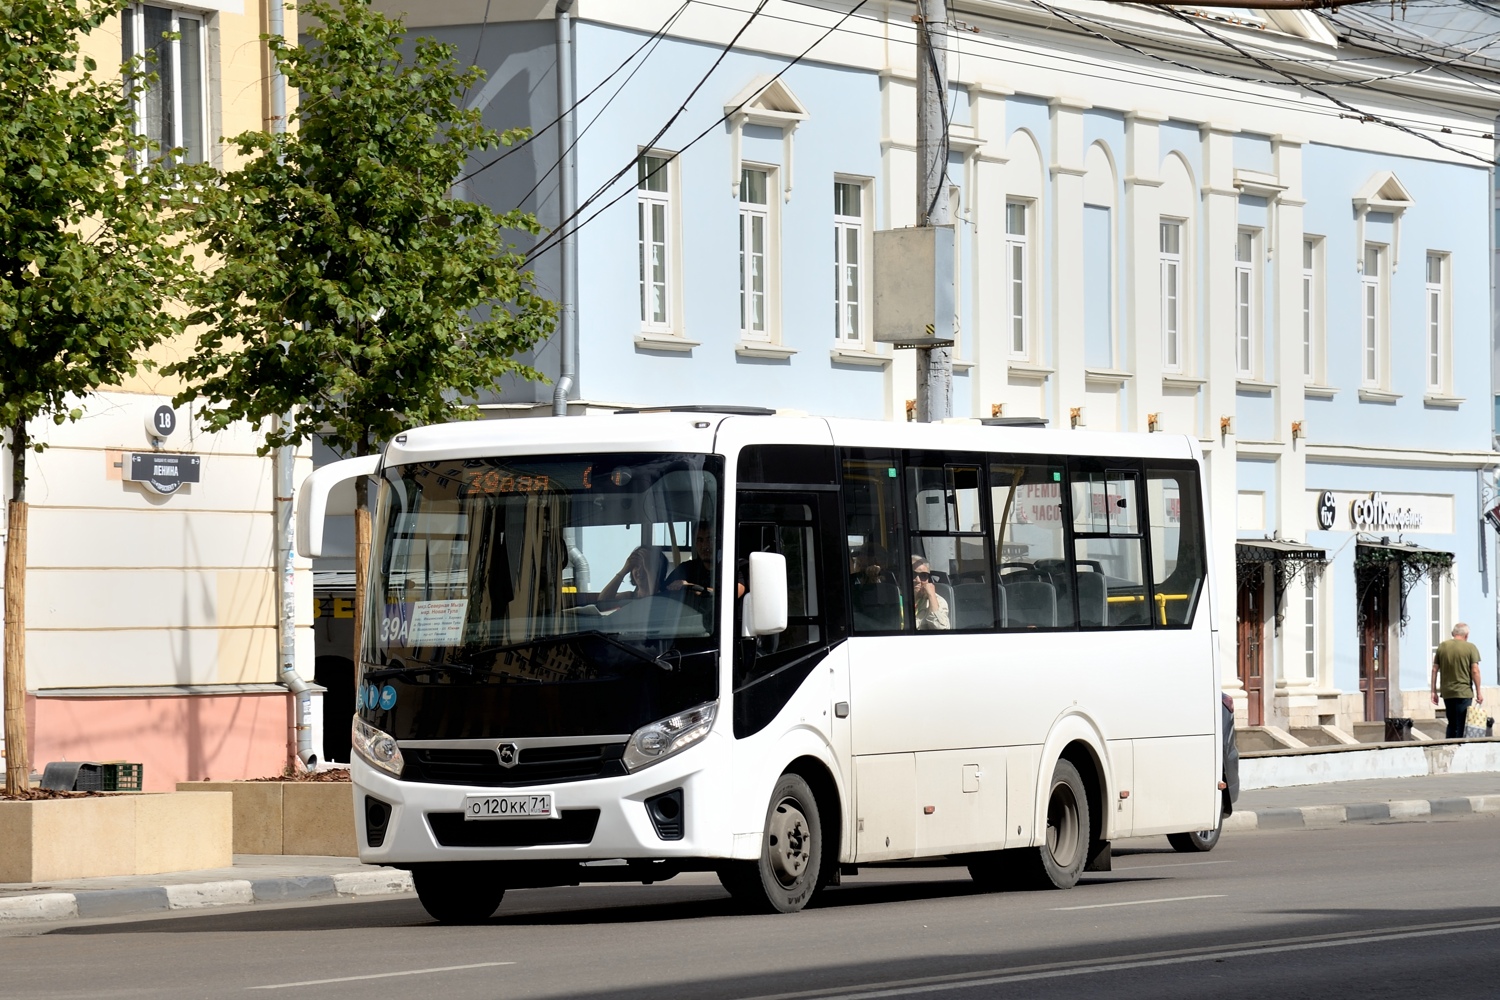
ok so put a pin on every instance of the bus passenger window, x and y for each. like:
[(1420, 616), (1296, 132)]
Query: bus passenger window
[(1034, 587), (878, 585), (1178, 560), (947, 544), (1111, 577)]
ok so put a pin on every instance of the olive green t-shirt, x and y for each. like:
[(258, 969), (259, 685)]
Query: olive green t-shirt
[(1454, 658)]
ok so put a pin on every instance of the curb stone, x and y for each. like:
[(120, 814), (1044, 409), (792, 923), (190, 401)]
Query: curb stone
[(1324, 817), (94, 903)]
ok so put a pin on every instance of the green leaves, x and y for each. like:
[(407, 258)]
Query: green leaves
[(351, 290), (88, 252)]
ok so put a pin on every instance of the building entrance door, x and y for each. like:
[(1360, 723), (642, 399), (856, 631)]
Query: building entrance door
[(1374, 633), (1252, 634)]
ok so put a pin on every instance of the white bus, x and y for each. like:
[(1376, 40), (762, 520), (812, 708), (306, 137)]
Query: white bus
[(617, 648)]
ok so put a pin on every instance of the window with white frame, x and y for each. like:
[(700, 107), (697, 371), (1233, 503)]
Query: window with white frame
[(1310, 624), (848, 262), (1312, 310), (1436, 316), (755, 253), (653, 192), (1171, 293), (1246, 307), (1372, 313), (1437, 614), (172, 110), (1018, 276)]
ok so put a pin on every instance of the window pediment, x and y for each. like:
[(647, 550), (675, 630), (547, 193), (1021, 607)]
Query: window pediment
[(1383, 192), (770, 102)]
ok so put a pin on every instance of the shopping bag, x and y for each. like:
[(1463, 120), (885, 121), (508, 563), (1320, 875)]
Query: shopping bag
[(1476, 723)]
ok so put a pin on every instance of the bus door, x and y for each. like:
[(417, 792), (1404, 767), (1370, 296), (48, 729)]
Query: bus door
[(770, 670)]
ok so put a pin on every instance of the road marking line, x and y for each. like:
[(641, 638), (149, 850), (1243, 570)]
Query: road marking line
[(380, 975), (1139, 902), (1173, 864), (936, 984)]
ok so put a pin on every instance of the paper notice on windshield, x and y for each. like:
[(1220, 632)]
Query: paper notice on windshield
[(438, 623)]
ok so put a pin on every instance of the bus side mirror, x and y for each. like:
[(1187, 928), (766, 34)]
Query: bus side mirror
[(767, 606), (312, 499)]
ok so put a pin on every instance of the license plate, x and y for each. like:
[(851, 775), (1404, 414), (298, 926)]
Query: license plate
[(534, 805)]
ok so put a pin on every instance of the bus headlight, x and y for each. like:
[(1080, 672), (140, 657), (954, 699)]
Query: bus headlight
[(376, 747), (662, 739)]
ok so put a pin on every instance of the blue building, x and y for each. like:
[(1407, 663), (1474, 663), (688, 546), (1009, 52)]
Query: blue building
[(1268, 230)]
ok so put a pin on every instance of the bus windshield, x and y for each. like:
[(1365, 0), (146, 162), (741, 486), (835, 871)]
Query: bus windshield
[(578, 572)]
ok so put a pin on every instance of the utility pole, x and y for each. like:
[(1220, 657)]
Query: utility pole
[(934, 364)]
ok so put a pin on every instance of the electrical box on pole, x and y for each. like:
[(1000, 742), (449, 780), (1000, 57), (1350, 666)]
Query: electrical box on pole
[(914, 287)]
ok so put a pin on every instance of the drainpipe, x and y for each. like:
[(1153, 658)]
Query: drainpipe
[(283, 463), (567, 198)]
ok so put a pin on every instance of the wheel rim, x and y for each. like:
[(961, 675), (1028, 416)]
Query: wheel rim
[(790, 842), (1063, 827)]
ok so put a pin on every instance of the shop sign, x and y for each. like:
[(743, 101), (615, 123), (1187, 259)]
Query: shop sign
[(163, 473), (1379, 512)]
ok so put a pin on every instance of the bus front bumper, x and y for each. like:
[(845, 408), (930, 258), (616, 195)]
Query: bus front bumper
[(425, 821)]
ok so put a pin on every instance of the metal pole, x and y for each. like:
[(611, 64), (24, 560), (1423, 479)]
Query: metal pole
[(567, 201), (283, 462), (934, 364)]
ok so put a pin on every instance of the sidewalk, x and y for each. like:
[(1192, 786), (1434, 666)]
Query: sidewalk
[(256, 878)]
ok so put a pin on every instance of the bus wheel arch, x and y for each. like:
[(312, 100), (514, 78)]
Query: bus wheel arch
[(799, 843), (820, 779)]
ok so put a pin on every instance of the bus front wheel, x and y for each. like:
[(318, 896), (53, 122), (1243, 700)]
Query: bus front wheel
[(1059, 860), (785, 877), (456, 893)]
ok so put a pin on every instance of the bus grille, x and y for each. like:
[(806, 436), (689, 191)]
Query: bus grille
[(537, 765), (576, 826)]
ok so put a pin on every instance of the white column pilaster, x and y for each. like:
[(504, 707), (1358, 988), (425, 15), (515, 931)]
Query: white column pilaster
[(1142, 273), (1066, 172)]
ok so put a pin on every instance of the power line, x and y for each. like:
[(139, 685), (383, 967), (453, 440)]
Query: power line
[(554, 237), (654, 36)]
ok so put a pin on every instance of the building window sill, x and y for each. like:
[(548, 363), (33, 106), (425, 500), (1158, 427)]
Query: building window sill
[(1314, 391), (1441, 400), (961, 366), (1183, 382), (1111, 377), (859, 356), (1378, 396), (1029, 372), (1254, 385), (649, 341), (763, 349)]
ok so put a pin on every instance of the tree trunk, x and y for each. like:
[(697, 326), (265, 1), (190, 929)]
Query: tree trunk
[(17, 759)]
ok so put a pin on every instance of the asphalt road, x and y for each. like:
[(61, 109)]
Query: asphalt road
[(1403, 909)]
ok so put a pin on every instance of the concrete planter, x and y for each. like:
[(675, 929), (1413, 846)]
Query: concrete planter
[(134, 834), (289, 817)]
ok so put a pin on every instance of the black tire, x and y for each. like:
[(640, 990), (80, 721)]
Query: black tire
[(786, 876), (1201, 841), (1059, 860), (457, 893)]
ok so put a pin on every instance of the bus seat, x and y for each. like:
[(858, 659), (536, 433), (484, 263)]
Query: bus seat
[(945, 591), (1093, 603), (970, 606), (1030, 604), (877, 606)]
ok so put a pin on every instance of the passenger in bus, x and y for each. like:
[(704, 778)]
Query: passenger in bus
[(646, 567), (931, 608)]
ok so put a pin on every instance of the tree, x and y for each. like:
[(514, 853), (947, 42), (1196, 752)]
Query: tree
[(354, 296), (87, 255)]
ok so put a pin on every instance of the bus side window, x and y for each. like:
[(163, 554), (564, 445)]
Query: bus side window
[(1110, 564), (878, 584), (1034, 588), (1178, 560), (947, 533)]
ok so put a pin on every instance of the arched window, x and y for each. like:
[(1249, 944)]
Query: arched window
[(1176, 247), (1023, 243), (1099, 192)]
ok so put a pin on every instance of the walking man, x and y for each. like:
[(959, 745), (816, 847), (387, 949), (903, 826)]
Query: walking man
[(1456, 661)]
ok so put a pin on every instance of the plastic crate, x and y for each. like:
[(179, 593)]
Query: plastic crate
[(115, 776)]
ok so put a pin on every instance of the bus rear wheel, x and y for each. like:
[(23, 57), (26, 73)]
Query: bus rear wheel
[(1197, 841), (1059, 860), (786, 875), (457, 893)]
